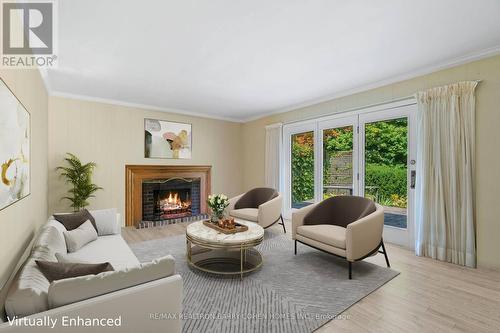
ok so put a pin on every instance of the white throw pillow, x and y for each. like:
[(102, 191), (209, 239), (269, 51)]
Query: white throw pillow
[(80, 236), (106, 221), (67, 291), (50, 240)]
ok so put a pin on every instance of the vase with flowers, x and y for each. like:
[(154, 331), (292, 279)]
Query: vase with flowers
[(217, 204)]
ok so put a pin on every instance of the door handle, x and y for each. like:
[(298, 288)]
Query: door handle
[(413, 176)]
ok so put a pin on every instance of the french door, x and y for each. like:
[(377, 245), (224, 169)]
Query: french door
[(368, 153), (387, 168)]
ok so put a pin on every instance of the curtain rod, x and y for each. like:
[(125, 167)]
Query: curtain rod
[(357, 108)]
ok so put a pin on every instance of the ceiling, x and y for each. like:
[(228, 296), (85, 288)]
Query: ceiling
[(239, 60)]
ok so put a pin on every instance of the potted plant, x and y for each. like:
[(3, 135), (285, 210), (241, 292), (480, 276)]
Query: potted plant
[(217, 204), (79, 176)]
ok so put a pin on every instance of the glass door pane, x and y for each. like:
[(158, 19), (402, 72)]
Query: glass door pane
[(302, 169), (338, 157), (386, 168)]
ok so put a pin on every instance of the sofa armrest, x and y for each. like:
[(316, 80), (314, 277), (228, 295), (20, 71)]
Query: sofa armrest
[(364, 235), (233, 202), (150, 307), (119, 221), (270, 211), (298, 218)]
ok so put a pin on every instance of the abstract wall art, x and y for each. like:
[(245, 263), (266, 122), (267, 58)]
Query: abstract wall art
[(166, 139), (14, 148)]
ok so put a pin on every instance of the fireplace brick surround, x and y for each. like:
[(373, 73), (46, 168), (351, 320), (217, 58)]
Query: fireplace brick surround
[(135, 175)]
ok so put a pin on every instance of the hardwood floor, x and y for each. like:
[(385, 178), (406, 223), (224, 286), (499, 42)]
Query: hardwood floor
[(428, 295)]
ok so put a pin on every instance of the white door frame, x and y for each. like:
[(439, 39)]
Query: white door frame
[(288, 131), (404, 237)]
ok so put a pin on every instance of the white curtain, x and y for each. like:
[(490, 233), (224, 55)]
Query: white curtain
[(445, 227), (273, 156)]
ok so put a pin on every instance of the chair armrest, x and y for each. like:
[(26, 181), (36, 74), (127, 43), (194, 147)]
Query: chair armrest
[(270, 211), (298, 218), (233, 202), (364, 235)]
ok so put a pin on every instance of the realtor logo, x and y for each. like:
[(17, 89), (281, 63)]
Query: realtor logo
[(28, 34)]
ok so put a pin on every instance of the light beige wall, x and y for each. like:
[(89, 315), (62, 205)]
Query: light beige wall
[(19, 222), (113, 136), (487, 139)]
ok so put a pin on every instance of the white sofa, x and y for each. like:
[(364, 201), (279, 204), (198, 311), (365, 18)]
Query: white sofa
[(151, 306)]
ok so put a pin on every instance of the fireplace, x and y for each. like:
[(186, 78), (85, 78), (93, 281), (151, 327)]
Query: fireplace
[(172, 198), (156, 195)]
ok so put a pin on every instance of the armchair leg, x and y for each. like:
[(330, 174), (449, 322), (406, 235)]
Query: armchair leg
[(295, 247), (350, 270), (385, 254), (283, 223)]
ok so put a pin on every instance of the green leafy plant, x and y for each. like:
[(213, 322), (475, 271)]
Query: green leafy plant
[(387, 184), (79, 176), (302, 172)]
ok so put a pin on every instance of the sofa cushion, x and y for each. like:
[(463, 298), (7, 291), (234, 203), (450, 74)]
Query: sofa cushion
[(74, 220), (77, 238), (50, 240), (66, 291), (249, 214), (332, 235), (64, 258), (28, 293), (58, 270), (106, 221), (322, 246), (112, 249)]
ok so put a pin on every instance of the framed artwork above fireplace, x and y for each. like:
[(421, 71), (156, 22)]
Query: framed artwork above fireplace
[(166, 139)]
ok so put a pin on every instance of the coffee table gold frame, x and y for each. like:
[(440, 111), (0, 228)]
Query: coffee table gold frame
[(218, 253)]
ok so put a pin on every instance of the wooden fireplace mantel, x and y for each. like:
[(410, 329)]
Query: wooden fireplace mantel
[(136, 174)]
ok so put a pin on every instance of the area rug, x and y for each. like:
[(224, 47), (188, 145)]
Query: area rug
[(288, 294)]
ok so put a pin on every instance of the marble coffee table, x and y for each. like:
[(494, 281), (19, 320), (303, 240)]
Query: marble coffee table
[(214, 252)]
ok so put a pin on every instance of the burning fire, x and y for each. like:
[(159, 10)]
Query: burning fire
[(174, 202)]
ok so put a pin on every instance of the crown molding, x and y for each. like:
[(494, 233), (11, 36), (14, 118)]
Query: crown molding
[(482, 54), (275, 125), (141, 106)]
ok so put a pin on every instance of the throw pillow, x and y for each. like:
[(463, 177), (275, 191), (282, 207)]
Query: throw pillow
[(74, 220), (106, 221), (80, 236), (58, 271), (50, 240)]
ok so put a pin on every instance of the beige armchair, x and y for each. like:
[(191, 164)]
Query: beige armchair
[(346, 226), (261, 205)]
